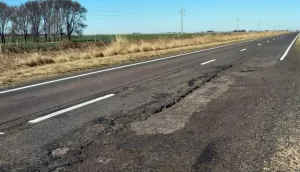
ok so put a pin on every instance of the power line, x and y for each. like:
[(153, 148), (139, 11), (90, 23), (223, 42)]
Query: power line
[(133, 12), (127, 19), (127, 15), (189, 17)]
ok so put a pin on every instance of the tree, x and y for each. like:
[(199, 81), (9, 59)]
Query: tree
[(57, 19), (21, 20), (74, 16), (34, 16), (50, 17), (13, 29), (5, 13), (46, 12)]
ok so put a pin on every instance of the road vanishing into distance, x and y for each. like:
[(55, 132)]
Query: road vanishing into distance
[(209, 110)]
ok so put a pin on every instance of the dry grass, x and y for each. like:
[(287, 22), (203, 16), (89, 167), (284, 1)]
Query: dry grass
[(17, 68), (37, 60)]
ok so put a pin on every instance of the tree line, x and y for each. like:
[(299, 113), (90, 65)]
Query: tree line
[(42, 18)]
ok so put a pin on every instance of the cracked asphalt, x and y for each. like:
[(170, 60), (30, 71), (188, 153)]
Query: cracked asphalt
[(235, 114)]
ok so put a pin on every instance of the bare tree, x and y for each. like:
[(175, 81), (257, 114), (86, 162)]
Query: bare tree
[(35, 17), (13, 29), (21, 20), (57, 19), (74, 16), (46, 12), (5, 13), (50, 17)]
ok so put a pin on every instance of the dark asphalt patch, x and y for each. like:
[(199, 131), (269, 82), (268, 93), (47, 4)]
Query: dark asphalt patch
[(204, 161), (104, 121)]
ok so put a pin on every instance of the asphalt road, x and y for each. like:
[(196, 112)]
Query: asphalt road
[(138, 92), (41, 100)]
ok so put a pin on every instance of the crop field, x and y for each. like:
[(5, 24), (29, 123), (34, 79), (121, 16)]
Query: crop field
[(41, 44), (109, 38)]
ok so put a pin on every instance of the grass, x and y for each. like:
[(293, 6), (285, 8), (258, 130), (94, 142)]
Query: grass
[(17, 68), (40, 44), (109, 38)]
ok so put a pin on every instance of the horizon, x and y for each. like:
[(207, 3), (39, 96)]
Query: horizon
[(131, 16)]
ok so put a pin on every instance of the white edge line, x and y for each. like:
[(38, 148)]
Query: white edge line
[(288, 49), (243, 50), (120, 67), (208, 62), (1, 133), (69, 109)]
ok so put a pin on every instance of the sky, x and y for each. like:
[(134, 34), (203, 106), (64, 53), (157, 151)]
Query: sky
[(157, 16)]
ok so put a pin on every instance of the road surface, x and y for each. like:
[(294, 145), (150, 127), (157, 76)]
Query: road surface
[(168, 114)]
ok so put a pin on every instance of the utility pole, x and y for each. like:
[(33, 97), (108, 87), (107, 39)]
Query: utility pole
[(182, 13), (258, 26), (238, 23)]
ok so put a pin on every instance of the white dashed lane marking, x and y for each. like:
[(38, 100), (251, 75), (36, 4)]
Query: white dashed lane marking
[(69, 109), (208, 62)]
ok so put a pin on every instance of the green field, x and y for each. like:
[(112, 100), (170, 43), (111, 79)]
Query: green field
[(18, 43), (108, 38)]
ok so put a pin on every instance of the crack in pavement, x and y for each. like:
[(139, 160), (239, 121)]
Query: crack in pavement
[(156, 107), (176, 117)]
